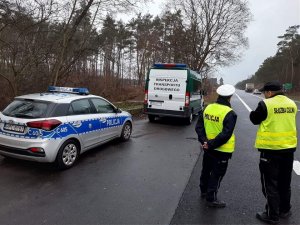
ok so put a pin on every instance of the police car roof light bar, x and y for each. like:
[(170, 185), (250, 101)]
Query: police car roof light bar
[(170, 65), (81, 91)]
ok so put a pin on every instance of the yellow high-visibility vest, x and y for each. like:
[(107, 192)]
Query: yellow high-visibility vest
[(213, 117), (278, 131)]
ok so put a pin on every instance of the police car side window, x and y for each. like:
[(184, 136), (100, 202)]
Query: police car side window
[(58, 110), (102, 106), (81, 106)]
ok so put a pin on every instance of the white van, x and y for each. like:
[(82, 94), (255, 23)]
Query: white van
[(173, 90)]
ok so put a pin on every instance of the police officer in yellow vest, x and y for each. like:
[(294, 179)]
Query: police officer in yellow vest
[(215, 132), (276, 140)]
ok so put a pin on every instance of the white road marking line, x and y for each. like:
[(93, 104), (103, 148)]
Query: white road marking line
[(296, 167), (247, 107)]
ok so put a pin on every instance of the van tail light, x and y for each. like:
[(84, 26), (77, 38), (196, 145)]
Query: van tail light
[(187, 99), (146, 97), (44, 124)]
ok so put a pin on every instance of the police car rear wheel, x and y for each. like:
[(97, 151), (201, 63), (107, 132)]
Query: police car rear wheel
[(67, 154), (126, 131)]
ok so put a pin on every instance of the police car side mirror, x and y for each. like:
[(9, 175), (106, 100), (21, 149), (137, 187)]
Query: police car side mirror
[(117, 110)]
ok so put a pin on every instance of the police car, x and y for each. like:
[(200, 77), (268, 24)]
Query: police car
[(59, 125)]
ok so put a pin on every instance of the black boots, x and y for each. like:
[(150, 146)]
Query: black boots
[(263, 216), (216, 204), (285, 215)]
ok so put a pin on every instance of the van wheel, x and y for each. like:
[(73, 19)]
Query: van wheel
[(189, 119), (126, 131), (151, 118), (67, 155)]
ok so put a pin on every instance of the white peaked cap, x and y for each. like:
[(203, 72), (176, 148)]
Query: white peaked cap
[(226, 90)]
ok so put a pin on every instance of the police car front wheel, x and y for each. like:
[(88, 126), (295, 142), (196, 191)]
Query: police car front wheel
[(67, 154)]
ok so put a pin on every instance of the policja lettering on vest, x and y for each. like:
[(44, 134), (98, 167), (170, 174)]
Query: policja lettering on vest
[(212, 117), (214, 128)]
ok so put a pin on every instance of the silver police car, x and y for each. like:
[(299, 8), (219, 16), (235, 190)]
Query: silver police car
[(59, 125)]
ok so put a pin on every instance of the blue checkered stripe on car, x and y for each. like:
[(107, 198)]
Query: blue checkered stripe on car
[(79, 127)]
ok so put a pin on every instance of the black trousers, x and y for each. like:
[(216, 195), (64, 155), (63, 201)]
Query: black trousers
[(214, 166), (276, 174)]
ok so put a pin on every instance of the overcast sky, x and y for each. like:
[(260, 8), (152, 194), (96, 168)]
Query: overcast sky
[(271, 18)]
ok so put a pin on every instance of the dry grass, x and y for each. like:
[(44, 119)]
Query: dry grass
[(111, 88), (133, 107), (129, 105)]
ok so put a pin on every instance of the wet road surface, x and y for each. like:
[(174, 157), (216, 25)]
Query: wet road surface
[(152, 179)]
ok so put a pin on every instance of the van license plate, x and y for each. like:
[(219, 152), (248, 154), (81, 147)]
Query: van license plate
[(156, 103), (14, 127)]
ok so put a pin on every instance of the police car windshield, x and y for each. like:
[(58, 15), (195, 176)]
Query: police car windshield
[(26, 109)]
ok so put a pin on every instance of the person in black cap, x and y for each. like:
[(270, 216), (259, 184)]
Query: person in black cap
[(276, 140), (215, 133)]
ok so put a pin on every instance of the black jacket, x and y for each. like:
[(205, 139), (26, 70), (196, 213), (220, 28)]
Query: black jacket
[(258, 116), (228, 127)]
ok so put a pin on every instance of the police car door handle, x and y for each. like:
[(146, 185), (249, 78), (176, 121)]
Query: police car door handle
[(90, 126)]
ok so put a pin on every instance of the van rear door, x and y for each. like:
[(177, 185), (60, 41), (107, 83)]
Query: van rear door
[(167, 89)]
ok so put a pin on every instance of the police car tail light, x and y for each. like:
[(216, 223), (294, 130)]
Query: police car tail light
[(146, 97), (187, 99), (44, 124)]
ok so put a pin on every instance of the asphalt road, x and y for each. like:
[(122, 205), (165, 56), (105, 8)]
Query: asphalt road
[(240, 188), (152, 179)]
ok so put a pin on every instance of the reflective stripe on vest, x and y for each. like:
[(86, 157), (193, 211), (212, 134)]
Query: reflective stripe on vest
[(278, 131), (213, 117)]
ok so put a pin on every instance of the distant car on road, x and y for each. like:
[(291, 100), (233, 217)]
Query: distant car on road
[(249, 87), (59, 125), (256, 92)]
